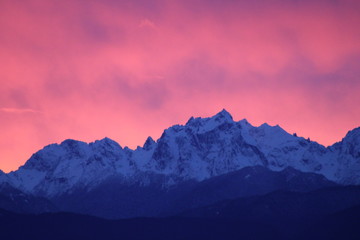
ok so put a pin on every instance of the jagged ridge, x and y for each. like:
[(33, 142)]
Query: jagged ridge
[(200, 149)]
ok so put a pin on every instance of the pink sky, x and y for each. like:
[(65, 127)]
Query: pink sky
[(129, 69)]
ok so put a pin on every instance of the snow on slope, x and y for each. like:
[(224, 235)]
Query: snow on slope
[(58, 168), (347, 157), (200, 149), (3, 177)]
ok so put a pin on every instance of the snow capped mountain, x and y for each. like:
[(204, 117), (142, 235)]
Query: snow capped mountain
[(199, 150), (59, 167), (347, 157), (350, 145), (3, 177)]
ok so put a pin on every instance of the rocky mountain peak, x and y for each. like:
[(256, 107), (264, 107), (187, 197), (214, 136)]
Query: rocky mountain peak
[(223, 115), (106, 143), (203, 148), (351, 143), (149, 143), (354, 135)]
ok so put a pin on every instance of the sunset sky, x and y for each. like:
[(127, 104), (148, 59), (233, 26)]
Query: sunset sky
[(86, 69)]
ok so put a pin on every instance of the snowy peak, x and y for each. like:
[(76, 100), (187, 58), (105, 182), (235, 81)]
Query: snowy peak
[(75, 148), (3, 177), (59, 168), (52, 155), (223, 116), (71, 143), (353, 135), (350, 144), (274, 134), (208, 124), (149, 143), (201, 149), (46, 159), (105, 143), (272, 129), (244, 122)]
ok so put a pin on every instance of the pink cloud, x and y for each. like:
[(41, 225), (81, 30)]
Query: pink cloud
[(18, 110), (129, 69)]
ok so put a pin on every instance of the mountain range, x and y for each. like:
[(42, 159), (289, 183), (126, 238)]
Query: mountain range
[(191, 166)]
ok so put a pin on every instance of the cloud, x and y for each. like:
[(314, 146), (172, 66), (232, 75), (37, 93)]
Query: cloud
[(128, 69), (147, 23), (18, 110)]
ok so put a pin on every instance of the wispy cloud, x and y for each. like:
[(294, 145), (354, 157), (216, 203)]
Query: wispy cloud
[(18, 110), (147, 23)]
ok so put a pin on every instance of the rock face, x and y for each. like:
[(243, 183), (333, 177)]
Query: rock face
[(201, 149)]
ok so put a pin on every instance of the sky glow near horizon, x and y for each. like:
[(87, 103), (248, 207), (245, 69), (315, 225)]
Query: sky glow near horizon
[(129, 69)]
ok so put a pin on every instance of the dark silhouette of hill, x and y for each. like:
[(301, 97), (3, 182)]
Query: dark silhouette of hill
[(329, 213)]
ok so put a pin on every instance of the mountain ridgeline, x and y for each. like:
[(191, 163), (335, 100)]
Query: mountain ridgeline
[(190, 166)]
